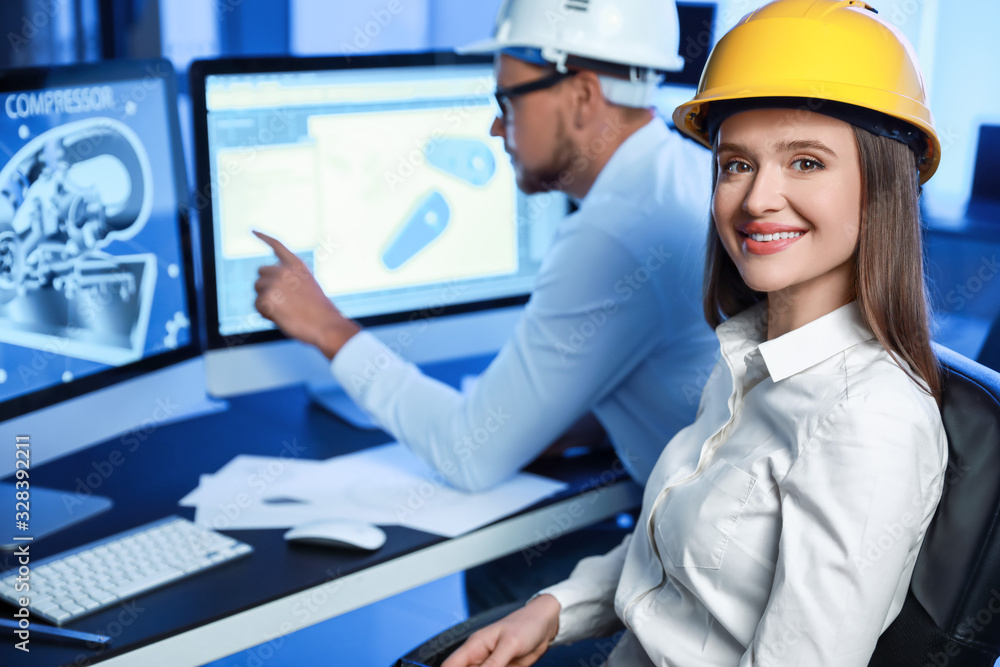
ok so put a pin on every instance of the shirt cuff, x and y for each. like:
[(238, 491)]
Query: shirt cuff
[(576, 611)]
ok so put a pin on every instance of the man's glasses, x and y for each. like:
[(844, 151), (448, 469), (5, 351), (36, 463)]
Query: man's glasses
[(505, 95)]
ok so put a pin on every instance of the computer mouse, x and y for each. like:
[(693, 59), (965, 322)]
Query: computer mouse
[(338, 533)]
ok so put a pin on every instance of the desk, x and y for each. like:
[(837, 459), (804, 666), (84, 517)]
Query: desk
[(278, 589)]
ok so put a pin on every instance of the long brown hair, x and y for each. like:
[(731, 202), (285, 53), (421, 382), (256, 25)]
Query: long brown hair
[(888, 281)]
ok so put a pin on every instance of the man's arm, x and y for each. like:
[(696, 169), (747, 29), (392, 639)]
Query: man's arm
[(578, 339)]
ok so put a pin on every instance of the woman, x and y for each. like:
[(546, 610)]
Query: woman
[(781, 528)]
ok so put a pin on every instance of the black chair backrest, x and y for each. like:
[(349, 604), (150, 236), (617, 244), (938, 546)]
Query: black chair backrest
[(952, 614)]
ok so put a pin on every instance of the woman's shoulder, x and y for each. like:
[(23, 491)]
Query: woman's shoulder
[(877, 377), (885, 401)]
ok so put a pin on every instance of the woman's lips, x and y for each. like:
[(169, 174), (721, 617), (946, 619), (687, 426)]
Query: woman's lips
[(761, 238)]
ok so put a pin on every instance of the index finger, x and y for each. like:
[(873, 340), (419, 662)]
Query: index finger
[(284, 255)]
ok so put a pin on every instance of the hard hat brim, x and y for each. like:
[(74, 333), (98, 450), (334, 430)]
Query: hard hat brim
[(483, 46), (691, 117)]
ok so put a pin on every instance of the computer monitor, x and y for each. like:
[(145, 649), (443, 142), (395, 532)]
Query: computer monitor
[(696, 21), (97, 304), (379, 172)]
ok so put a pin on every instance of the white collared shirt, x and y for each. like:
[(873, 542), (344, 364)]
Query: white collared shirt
[(782, 526), (614, 325)]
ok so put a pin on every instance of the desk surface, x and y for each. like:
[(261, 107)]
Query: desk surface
[(277, 589)]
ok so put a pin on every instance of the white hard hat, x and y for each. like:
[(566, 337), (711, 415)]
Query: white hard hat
[(634, 39)]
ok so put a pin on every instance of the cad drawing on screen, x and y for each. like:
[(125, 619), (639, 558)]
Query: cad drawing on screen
[(64, 197)]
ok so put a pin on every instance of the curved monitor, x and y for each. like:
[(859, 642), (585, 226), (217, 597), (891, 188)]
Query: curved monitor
[(96, 282), (379, 172)]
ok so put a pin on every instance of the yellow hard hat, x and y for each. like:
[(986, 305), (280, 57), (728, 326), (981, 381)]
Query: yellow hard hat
[(804, 51)]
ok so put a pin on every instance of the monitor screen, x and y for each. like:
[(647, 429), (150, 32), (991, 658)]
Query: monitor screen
[(378, 171), (95, 273)]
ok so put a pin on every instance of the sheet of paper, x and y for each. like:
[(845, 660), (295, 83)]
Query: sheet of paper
[(251, 476), (240, 495), (382, 485)]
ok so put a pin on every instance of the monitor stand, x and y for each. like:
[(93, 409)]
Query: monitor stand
[(50, 511), (332, 398)]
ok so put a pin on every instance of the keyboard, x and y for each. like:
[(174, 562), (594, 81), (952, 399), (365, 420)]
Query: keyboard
[(87, 579)]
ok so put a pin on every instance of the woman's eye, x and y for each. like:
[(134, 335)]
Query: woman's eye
[(737, 167), (805, 164)]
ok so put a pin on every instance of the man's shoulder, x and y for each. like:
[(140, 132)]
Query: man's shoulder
[(663, 154), (669, 180)]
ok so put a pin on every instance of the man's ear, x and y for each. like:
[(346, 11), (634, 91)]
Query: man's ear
[(588, 96)]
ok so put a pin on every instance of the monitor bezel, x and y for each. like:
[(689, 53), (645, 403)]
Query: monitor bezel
[(198, 74), (116, 71)]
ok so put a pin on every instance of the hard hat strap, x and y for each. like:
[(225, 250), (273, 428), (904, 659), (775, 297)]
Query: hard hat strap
[(628, 72), (626, 85)]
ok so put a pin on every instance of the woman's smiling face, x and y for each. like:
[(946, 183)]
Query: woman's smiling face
[(787, 202)]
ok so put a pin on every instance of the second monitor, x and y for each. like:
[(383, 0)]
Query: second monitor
[(379, 172)]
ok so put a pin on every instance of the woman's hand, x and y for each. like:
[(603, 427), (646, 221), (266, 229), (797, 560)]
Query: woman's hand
[(517, 640)]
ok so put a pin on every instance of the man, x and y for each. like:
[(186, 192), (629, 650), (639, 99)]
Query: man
[(614, 324)]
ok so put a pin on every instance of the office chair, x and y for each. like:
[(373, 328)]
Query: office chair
[(952, 613), (951, 616), (989, 354)]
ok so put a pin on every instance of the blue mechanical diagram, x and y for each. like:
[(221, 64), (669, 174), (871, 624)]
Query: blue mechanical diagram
[(425, 224), (469, 160), (64, 197)]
